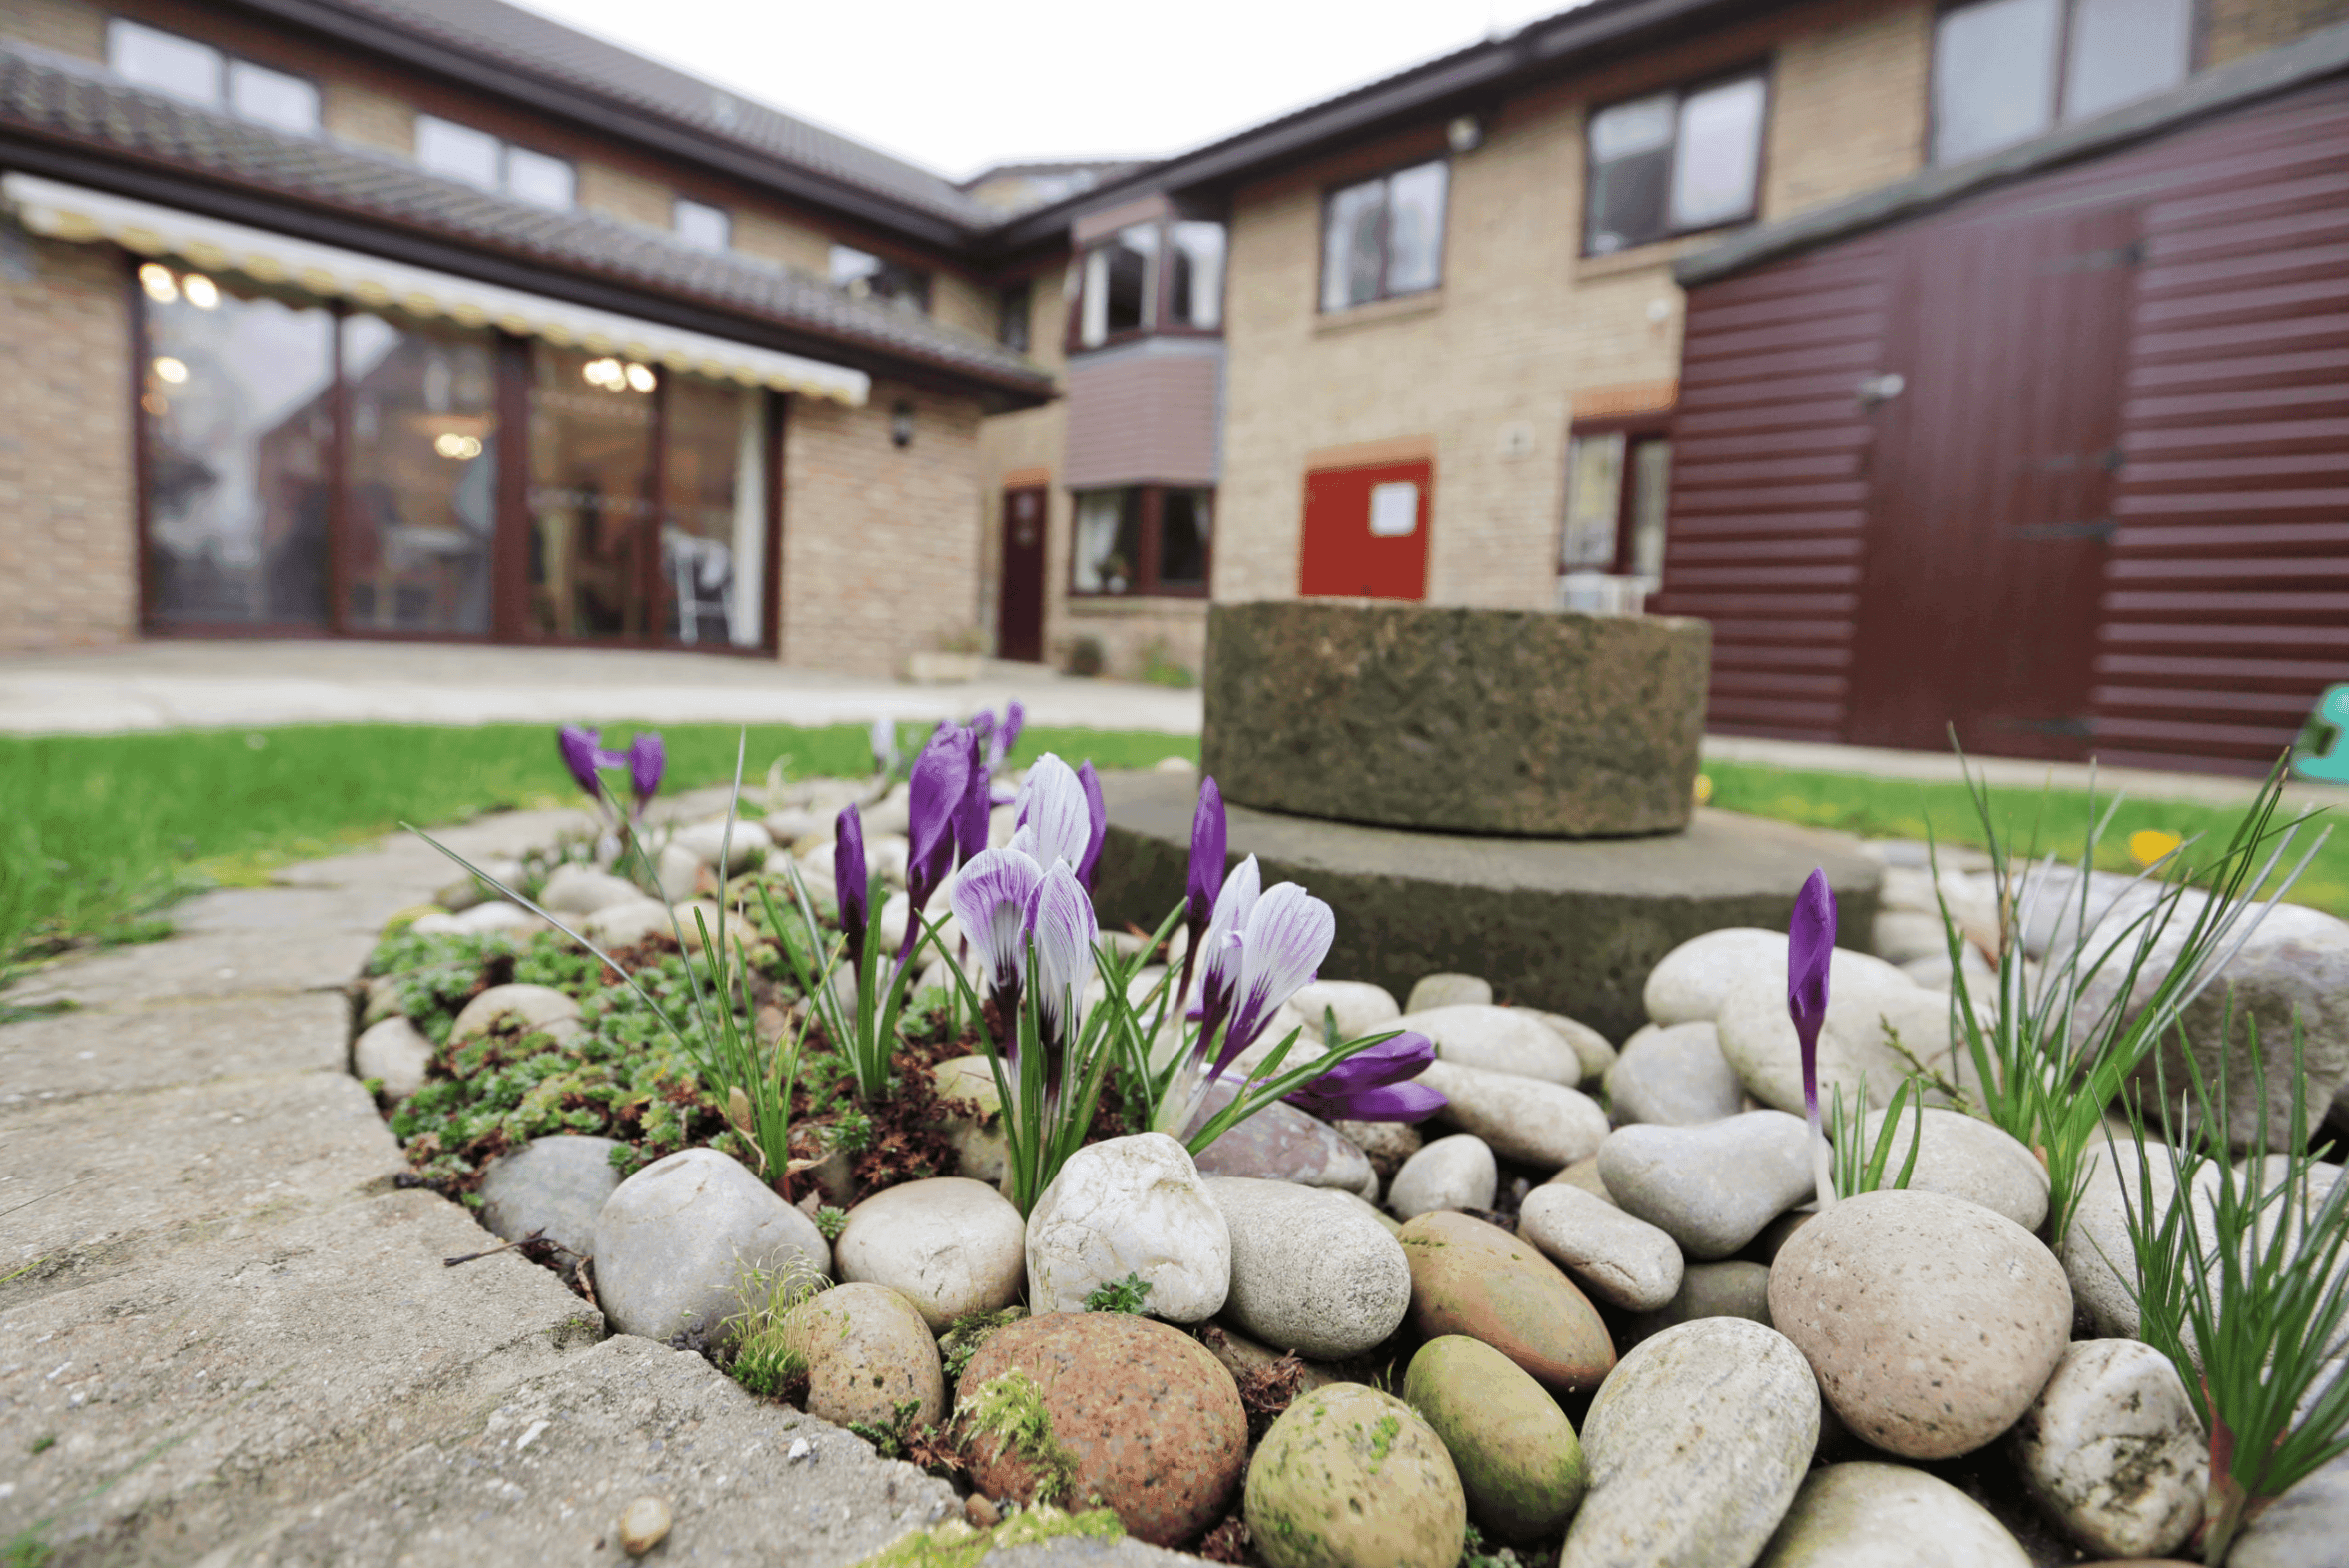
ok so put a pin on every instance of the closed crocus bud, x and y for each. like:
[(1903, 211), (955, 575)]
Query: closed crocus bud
[(581, 751), (849, 880), (649, 758), (1096, 831), (1207, 855), (1810, 936)]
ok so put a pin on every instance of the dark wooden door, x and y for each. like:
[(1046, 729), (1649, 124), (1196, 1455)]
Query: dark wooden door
[(1366, 533), (1019, 612), (1991, 479)]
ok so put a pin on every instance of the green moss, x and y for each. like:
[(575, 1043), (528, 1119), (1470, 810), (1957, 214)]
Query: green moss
[(43, 1443), (957, 1545), (1382, 1438), (1009, 1412), (967, 1333)]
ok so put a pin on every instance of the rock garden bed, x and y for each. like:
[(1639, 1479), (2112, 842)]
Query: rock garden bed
[(1307, 1275)]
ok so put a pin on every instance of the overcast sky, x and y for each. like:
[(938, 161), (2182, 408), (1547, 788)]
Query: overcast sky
[(958, 85)]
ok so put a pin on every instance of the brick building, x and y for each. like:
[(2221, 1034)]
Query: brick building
[(1421, 340)]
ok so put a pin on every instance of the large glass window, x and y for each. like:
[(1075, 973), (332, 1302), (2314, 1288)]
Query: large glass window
[(1383, 237), (1194, 282), (1672, 163), (869, 277), (1143, 539), (2006, 70), (238, 424), (423, 495), (591, 496), (201, 74)]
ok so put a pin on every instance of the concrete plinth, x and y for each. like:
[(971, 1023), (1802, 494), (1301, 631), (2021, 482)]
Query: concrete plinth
[(1573, 925), (1545, 723)]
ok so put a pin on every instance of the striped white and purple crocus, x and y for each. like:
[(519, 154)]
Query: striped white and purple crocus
[(1810, 936), (1261, 944), (1375, 1084), (1207, 875)]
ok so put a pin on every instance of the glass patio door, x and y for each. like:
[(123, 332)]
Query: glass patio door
[(592, 498)]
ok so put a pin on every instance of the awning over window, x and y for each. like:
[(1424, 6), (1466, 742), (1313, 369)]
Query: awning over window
[(69, 211)]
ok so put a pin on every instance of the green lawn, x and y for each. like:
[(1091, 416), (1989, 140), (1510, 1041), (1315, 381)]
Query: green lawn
[(100, 832), (2057, 821)]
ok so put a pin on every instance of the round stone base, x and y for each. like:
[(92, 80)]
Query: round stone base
[(1568, 925)]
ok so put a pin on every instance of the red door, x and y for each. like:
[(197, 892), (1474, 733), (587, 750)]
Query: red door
[(1019, 611), (1367, 532)]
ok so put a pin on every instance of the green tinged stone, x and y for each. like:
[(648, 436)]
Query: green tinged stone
[(1350, 1477), (1516, 1453)]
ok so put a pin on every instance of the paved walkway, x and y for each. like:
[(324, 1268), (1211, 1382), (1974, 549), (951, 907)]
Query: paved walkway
[(173, 685), (227, 1337)]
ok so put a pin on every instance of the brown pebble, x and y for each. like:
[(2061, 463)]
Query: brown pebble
[(981, 1511), (643, 1524)]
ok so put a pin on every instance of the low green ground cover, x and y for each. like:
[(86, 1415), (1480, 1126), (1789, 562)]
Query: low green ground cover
[(99, 833), (2054, 821)]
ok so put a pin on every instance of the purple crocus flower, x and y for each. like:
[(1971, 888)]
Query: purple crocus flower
[(941, 778), (849, 881), (970, 817), (649, 758), (1375, 1084), (1258, 949), (1062, 924), (991, 901), (1007, 734), (1810, 954), (582, 753), (1097, 832)]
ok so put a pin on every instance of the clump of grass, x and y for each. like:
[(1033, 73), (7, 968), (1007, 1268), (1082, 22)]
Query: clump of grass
[(2242, 1281), (1007, 1411), (1129, 1295), (756, 1355), (965, 1335), (2054, 1050), (1859, 1164)]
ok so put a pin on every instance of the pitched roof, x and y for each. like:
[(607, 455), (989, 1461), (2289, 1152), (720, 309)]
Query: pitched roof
[(59, 101), (523, 41)]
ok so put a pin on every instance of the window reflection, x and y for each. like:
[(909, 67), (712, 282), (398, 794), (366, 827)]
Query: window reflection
[(1383, 237), (1108, 541), (423, 474), (1186, 520), (1194, 286), (713, 517), (239, 427), (591, 448)]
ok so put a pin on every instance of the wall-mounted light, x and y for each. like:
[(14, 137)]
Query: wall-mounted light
[(901, 425), (1465, 133)]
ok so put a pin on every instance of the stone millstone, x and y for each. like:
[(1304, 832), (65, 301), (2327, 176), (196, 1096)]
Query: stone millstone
[(1465, 720), (1569, 925)]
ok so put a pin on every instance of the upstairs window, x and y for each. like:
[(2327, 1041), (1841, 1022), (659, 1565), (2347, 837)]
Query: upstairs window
[(1673, 163), (481, 159), (869, 277), (1383, 237), (1013, 307), (702, 225), (198, 74), (2006, 70), (1151, 277)]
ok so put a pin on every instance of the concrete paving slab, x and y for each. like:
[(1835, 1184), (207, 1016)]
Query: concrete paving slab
[(542, 1475), (206, 1393), (203, 964), (96, 1186), (358, 906), (113, 1050)]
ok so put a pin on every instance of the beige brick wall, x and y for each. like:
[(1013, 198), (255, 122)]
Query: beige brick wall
[(67, 26), (365, 117), (773, 237), (1486, 368), (68, 519), (2232, 29), (880, 543), (630, 198)]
